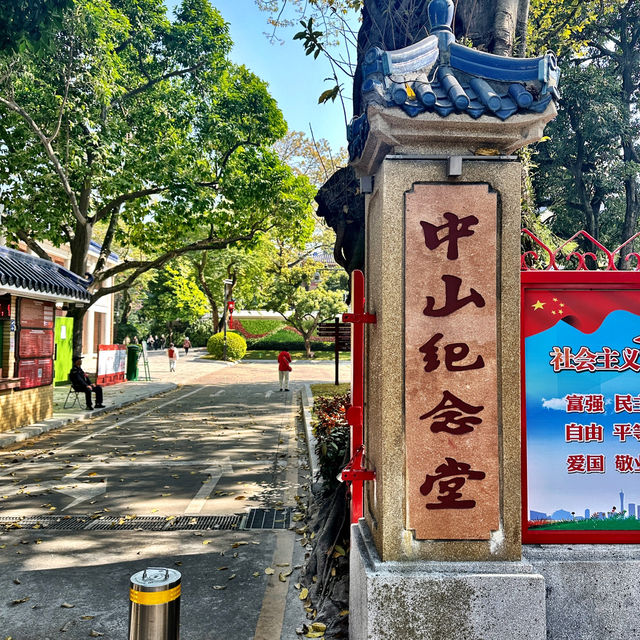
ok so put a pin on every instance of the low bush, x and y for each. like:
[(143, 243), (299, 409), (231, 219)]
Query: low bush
[(199, 332), (286, 338), (332, 436), (259, 326), (236, 346)]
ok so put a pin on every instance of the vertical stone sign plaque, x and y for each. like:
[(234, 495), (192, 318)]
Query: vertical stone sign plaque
[(451, 385)]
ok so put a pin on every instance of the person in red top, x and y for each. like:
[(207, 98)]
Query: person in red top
[(284, 366)]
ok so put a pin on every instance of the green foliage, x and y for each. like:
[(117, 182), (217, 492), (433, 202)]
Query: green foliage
[(199, 331), (173, 299), (236, 346), (332, 436), (261, 326), (138, 130), (288, 340), (29, 24)]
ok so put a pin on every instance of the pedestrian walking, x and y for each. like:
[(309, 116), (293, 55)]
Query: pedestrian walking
[(186, 345), (284, 367), (80, 381), (172, 352)]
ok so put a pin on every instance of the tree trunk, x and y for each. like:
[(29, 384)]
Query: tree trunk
[(77, 313), (630, 157)]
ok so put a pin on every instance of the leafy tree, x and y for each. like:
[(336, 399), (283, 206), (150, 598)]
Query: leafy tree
[(173, 299), (588, 171), (138, 129), (29, 23), (309, 157), (292, 295)]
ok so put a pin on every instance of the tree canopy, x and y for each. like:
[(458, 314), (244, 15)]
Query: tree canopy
[(137, 129)]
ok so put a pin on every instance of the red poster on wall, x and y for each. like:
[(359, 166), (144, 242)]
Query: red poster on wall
[(35, 343), (35, 373), (36, 314)]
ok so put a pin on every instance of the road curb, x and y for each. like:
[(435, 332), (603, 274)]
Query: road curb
[(306, 401), (31, 431)]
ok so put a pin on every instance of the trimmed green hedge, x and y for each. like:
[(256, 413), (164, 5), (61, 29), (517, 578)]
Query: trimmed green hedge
[(260, 326), (236, 346), (287, 339)]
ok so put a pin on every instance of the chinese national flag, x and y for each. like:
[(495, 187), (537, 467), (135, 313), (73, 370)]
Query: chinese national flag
[(585, 310)]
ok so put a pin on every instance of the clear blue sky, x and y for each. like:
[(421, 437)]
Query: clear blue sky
[(295, 80)]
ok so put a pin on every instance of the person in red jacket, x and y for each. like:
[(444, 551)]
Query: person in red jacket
[(284, 366)]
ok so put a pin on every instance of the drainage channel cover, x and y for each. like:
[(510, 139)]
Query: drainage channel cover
[(269, 519), (255, 519)]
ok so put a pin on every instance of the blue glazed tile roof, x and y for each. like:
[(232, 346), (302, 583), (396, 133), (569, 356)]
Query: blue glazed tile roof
[(30, 273), (441, 76)]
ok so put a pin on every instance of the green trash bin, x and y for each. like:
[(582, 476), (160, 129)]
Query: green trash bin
[(133, 353)]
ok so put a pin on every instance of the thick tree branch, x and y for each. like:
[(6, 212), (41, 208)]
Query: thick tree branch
[(105, 251), (151, 83), (33, 245), (51, 154), (115, 204), (140, 266)]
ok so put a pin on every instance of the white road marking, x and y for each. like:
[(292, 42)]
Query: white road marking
[(83, 491), (105, 430), (268, 394), (217, 393), (215, 473)]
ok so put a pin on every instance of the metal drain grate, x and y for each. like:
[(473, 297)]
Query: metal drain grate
[(111, 523), (255, 519), (268, 519), (186, 523)]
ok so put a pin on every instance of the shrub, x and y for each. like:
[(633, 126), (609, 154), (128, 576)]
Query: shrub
[(332, 436), (259, 326), (289, 339), (199, 332), (236, 346)]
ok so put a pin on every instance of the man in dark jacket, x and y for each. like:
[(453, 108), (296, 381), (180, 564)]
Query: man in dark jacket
[(80, 382)]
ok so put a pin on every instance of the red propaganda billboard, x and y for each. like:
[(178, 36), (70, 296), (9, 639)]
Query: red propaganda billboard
[(581, 406), (112, 363), (36, 314), (35, 373)]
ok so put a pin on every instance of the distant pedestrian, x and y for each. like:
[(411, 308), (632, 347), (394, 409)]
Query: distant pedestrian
[(186, 345), (284, 367), (173, 357), (135, 339), (163, 342)]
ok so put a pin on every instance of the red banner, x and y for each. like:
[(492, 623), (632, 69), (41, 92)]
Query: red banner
[(35, 373)]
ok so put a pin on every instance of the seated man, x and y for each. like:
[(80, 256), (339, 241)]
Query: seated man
[(80, 382)]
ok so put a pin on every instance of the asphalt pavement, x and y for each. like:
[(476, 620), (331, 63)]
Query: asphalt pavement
[(206, 478)]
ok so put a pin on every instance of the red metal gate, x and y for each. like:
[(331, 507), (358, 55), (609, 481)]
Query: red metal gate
[(354, 473)]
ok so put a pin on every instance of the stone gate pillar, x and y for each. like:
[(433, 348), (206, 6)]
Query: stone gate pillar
[(438, 553)]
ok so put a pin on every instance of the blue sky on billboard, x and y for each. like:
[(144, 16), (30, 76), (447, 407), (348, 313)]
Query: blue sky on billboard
[(295, 80), (551, 487)]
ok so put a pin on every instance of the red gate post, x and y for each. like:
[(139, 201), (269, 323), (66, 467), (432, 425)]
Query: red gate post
[(354, 472)]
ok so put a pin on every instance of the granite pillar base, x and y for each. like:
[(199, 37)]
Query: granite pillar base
[(592, 589), (423, 600)]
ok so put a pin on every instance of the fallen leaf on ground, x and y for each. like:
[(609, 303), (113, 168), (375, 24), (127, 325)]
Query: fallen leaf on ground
[(218, 587), (269, 571), (95, 634), (20, 601), (66, 605), (304, 594)]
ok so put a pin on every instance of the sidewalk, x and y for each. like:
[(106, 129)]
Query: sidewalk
[(190, 368)]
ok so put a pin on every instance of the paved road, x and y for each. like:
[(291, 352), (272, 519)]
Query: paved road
[(223, 445)]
